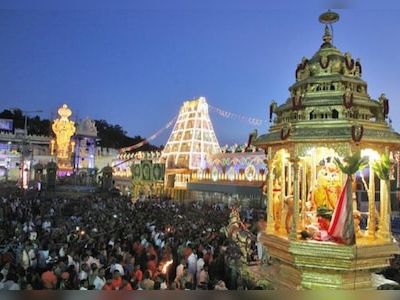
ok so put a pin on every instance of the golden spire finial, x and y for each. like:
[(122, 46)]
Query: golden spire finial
[(64, 112), (328, 18), (327, 38)]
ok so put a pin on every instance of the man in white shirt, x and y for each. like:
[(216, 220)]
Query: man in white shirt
[(100, 280), (192, 264), (84, 273), (200, 265)]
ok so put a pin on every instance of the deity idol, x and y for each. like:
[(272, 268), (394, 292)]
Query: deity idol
[(64, 129), (328, 187)]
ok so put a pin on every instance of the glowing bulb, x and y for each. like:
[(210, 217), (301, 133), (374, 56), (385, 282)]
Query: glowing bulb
[(371, 154)]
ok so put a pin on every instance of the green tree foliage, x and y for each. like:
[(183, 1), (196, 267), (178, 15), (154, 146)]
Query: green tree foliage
[(382, 167), (113, 136), (352, 163), (35, 125)]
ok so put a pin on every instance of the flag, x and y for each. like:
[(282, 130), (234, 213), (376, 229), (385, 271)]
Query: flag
[(341, 228)]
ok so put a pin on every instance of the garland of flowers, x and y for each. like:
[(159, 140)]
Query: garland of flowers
[(350, 104), (353, 133), (322, 65)]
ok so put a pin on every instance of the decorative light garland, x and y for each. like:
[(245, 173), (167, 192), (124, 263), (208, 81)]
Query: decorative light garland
[(230, 115), (220, 112), (150, 138)]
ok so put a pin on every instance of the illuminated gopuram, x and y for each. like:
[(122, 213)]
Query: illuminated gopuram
[(63, 146), (189, 144), (328, 117)]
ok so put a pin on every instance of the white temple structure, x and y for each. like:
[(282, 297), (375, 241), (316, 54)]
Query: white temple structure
[(193, 138)]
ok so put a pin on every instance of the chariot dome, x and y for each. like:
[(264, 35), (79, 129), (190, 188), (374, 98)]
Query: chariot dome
[(328, 119)]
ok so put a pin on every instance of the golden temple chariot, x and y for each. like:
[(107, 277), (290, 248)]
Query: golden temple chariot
[(329, 116)]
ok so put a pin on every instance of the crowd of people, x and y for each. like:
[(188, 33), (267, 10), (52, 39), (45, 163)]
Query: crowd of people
[(112, 243)]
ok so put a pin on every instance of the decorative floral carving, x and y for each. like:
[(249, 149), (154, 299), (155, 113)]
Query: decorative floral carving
[(324, 61)]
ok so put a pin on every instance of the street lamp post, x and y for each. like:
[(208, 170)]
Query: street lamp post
[(8, 159)]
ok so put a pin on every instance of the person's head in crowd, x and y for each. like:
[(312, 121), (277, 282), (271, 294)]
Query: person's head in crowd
[(147, 274), (101, 272), (85, 268), (116, 274), (94, 267), (120, 259), (125, 280), (109, 278)]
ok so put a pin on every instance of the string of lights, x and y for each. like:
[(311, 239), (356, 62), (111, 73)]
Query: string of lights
[(230, 115), (222, 113), (151, 137)]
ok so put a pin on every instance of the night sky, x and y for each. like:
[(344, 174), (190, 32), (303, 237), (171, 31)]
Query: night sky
[(135, 64)]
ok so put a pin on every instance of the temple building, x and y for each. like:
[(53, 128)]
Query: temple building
[(194, 166), (84, 160), (236, 176), (325, 139), (191, 142), (17, 148)]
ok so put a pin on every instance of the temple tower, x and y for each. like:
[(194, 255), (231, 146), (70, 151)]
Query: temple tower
[(193, 137), (191, 141)]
